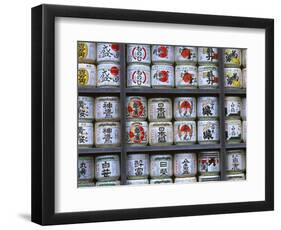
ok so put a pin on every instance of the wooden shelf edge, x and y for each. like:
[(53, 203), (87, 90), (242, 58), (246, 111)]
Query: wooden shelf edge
[(236, 146), (173, 148), (89, 151), (160, 91), (235, 91), (170, 91), (99, 90)]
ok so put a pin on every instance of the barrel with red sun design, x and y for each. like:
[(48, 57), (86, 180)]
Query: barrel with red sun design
[(184, 132), (162, 76), (137, 133), (162, 53), (136, 108), (108, 75), (185, 108), (184, 54), (108, 52), (186, 76)]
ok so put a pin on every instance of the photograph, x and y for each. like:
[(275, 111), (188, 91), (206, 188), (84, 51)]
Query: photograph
[(172, 127)]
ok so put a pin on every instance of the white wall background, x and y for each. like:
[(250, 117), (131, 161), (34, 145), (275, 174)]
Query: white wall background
[(15, 114)]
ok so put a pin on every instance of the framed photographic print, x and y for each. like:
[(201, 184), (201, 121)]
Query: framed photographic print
[(143, 114)]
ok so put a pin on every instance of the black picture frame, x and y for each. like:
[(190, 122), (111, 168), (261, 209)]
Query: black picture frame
[(43, 110)]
